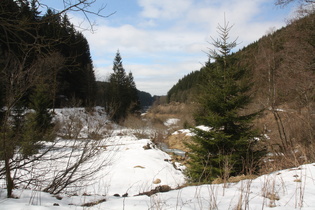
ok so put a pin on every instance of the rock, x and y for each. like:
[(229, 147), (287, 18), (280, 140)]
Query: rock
[(55, 204), (116, 195), (157, 181), (125, 195)]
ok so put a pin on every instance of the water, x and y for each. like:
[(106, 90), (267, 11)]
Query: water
[(165, 148)]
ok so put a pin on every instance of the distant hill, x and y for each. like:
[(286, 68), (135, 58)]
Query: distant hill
[(146, 99)]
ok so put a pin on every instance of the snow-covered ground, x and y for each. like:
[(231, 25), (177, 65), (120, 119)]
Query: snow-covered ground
[(129, 166)]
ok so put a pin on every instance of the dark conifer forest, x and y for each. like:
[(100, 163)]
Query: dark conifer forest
[(46, 46)]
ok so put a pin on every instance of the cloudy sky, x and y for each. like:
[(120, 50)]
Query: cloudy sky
[(160, 41)]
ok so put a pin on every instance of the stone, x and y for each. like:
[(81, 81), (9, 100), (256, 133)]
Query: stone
[(157, 181)]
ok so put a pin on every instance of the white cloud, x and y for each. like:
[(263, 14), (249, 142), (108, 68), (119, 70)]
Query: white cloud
[(164, 9), (147, 23), (157, 59)]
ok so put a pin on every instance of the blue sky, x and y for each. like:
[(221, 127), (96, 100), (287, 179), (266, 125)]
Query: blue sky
[(160, 41)]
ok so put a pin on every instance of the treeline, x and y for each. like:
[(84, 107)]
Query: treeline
[(47, 50), (49, 47), (185, 88), (145, 99)]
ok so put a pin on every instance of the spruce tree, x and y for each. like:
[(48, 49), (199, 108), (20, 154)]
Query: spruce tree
[(227, 148), (133, 94), (121, 94)]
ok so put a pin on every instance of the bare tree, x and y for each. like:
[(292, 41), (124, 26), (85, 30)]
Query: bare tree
[(286, 2), (305, 7), (80, 6)]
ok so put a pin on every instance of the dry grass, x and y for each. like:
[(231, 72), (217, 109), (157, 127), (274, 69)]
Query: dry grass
[(160, 113), (178, 141), (183, 112), (138, 125), (234, 179)]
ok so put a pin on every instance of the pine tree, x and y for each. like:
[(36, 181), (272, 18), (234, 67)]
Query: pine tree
[(121, 94), (228, 147), (133, 94)]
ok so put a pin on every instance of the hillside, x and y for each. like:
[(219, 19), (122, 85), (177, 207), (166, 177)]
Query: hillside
[(284, 57), (282, 69)]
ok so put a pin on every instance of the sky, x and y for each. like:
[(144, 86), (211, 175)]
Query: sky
[(161, 41)]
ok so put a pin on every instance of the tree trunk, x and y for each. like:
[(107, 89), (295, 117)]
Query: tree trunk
[(9, 180)]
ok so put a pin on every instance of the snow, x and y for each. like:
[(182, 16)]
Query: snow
[(292, 189), (189, 132), (171, 121), (134, 168), (131, 165)]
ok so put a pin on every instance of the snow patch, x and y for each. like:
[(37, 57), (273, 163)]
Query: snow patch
[(171, 121)]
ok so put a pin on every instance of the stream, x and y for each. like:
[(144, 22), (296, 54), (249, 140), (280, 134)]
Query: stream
[(165, 148)]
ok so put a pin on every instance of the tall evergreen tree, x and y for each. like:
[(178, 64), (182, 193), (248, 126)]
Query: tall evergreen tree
[(133, 94), (228, 147), (121, 95)]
